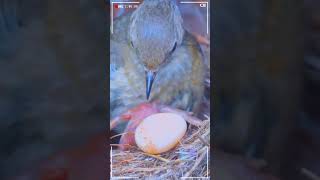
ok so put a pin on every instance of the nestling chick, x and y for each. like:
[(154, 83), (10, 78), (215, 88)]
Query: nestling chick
[(154, 59)]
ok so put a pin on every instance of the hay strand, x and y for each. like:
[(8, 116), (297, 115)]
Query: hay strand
[(186, 160)]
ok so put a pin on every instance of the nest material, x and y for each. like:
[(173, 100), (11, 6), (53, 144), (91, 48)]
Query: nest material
[(190, 158)]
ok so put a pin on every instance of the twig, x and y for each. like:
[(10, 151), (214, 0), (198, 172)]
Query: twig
[(119, 145), (196, 164), (198, 131), (146, 169), (120, 134), (157, 157), (203, 141)]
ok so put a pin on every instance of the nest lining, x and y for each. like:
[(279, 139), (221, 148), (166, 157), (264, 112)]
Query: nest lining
[(188, 159)]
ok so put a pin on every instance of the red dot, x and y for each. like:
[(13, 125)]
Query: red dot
[(116, 6)]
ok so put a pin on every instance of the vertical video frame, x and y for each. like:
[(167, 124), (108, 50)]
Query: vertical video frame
[(159, 89)]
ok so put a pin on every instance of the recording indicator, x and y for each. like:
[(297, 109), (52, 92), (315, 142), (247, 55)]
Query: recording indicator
[(125, 6), (121, 7)]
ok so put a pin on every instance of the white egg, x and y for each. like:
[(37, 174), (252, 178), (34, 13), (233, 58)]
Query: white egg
[(160, 132)]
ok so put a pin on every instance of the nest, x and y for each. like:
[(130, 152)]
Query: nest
[(190, 158)]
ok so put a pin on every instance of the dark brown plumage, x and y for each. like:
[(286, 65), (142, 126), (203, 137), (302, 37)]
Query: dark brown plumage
[(152, 55)]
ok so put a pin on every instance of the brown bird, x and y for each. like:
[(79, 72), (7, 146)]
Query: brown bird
[(150, 50)]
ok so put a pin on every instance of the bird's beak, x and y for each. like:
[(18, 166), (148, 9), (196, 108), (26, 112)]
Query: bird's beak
[(149, 80)]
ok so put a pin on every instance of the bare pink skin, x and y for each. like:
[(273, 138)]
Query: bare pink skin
[(135, 116), (140, 112)]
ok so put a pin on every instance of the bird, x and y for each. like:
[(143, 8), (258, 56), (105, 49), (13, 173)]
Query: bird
[(154, 59)]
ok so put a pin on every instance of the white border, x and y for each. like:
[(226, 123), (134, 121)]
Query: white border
[(124, 177), (208, 177), (112, 11), (120, 177), (190, 2), (182, 2)]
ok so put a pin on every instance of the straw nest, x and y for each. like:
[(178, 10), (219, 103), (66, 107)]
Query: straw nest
[(188, 159)]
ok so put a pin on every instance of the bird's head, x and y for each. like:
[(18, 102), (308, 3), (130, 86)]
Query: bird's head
[(155, 31)]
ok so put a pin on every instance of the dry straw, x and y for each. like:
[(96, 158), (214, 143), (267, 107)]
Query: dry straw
[(188, 159)]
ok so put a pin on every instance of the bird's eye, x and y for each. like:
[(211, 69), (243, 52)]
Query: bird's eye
[(174, 47)]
